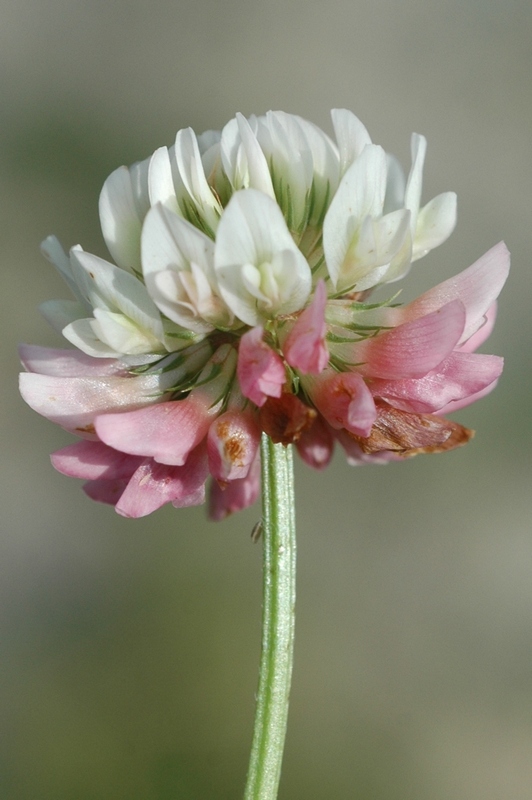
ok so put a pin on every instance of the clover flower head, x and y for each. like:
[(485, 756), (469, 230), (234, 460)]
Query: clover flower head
[(237, 304)]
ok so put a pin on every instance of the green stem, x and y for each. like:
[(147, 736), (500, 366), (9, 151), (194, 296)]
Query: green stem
[(278, 615)]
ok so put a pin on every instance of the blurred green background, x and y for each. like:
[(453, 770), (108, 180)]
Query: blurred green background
[(129, 650)]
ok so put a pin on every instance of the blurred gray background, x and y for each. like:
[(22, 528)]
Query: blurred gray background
[(129, 650)]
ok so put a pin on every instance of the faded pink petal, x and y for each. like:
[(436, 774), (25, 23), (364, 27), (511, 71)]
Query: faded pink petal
[(414, 348), (237, 494), (459, 376), (167, 431), (316, 444), (478, 338), (355, 455), (305, 347), (94, 461), (260, 370), (477, 287), (153, 485), (74, 403), (345, 401), (456, 405), (232, 444), (67, 363)]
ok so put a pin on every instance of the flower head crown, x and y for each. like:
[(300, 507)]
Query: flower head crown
[(238, 303)]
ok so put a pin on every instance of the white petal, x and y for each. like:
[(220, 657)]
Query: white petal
[(435, 223), (192, 174), (253, 232), (160, 182), (81, 334), (360, 194), (123, 203), (170, 246), (415, 179), (120, 292), (169, 241), (259, 174), (395, 185), (52, 250), (59, 313), (120, 334), (351, 136)]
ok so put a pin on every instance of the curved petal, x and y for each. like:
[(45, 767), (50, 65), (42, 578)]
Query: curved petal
[(67, 363), (123, 203), (252, 234), (237, 495), (351, 135), (261, 373), (414, 348), (153, 485), (477, 287), (435, 223), (167, 431), (232, 445), (459, 376), (305, 347), (74, 403), (94, 461)]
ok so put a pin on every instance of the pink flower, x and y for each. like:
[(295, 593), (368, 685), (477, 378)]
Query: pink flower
[(305, 348), (240, 307), (261, 372), (236, 495), (232, 444)]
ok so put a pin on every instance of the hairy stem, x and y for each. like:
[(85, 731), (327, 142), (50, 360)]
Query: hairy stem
[(278, 616)]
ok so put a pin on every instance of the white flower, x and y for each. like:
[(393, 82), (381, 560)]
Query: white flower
[(363, 246), (178, 263), (260, 271), (432, 224), (113, 314)]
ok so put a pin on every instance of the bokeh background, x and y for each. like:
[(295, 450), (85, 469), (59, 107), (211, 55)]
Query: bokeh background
[(129, 650)]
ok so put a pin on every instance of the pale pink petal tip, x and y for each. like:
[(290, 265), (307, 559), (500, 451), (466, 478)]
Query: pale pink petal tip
[(305, 347), (237, 495), (260, 370), (316, 444)]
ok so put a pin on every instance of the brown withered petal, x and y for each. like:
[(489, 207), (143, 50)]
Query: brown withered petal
[(410, 434), (285, 418)]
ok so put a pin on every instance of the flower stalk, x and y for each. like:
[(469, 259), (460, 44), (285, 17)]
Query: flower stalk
[(279, 576)]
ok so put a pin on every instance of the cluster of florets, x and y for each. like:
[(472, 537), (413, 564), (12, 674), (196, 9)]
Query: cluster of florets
[(238, 304)]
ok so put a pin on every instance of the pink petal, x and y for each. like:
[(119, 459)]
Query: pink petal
[(459, 376), (237, 495), (316, 444), (232, 444), (478, 338), (260, 371), (153, 485), (94, 461), (477, 287), (305, 347), (67, 363), (167, 432), (345, 401), (413, 348)]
